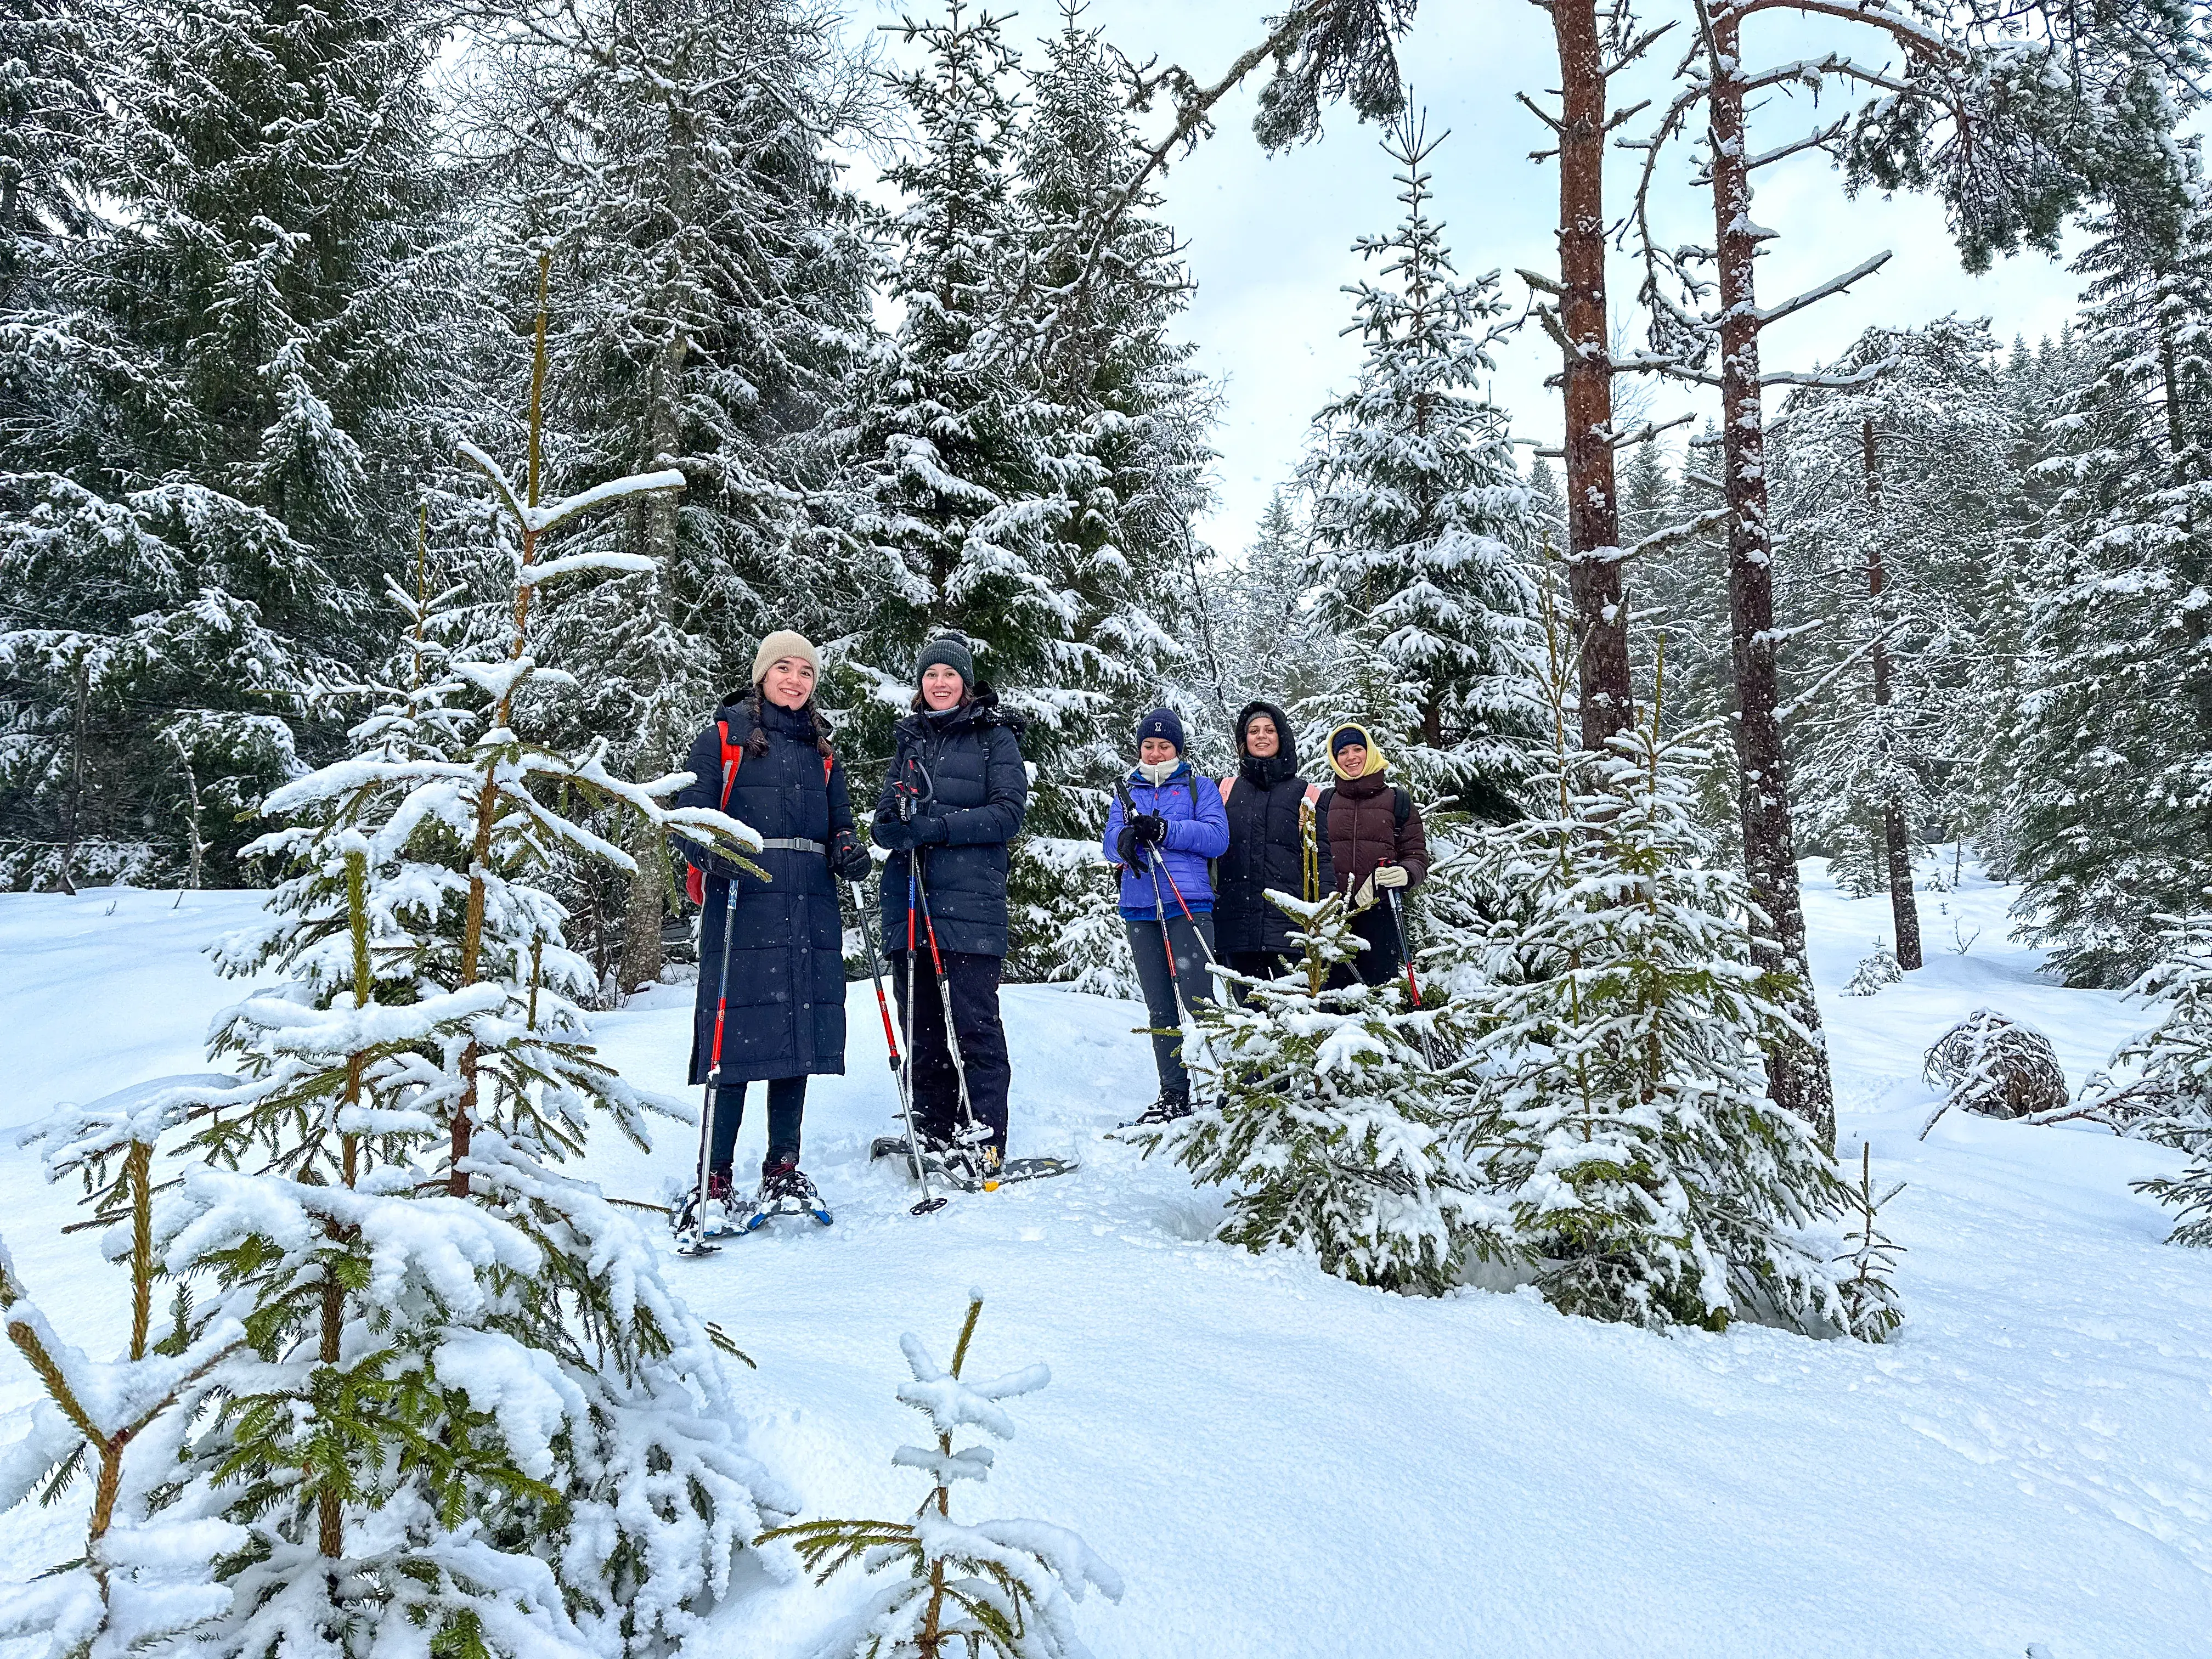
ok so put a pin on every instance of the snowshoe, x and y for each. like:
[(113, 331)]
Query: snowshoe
[(722, 1216), (1166, 1109), (971, 1171), (785, 1191)]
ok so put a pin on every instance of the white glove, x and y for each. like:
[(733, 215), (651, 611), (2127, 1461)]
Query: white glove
[(1389, 875), (1364, 894)]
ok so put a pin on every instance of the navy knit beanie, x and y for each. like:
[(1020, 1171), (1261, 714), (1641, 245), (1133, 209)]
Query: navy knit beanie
[(1161, 723), (953, 652)]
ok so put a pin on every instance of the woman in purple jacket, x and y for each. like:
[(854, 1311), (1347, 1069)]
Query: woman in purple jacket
[(1165, 822)]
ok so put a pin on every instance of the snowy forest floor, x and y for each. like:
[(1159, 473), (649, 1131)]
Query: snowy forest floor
[(1280, 1464)]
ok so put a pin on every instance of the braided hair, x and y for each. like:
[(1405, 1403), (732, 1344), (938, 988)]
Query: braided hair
[(757, 738)]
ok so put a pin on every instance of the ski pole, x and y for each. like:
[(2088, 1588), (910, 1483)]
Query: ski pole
[(694, 1242), (944, 990), (1211, 958), (891, 1042), (1406, 954)]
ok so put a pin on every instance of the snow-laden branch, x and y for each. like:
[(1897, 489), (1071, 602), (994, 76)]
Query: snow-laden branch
[(536, 521), (627, 564), (1814, 295)]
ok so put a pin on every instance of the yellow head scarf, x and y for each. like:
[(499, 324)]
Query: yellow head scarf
[(1375, 761)]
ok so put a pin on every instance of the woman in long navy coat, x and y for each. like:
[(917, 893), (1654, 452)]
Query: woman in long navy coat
[(766, 760)]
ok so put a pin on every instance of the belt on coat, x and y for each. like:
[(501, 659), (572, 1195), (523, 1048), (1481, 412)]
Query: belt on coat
[(791, 844)]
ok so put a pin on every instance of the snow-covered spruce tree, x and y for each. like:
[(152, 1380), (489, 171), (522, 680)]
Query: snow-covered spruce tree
[(147, 1571), (1626, 1122), (218, 381), (1002, 1587), (1121, 421), (674, 158), (1416, 506), (2111, 811), (1335, 1135), (1889, 499), (471, 1407), (958, 512), (2172, 1090)]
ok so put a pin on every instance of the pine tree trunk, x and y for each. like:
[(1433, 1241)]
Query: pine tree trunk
[(1594, 574), (642, 955), (1797, 1073), (1904, 909)]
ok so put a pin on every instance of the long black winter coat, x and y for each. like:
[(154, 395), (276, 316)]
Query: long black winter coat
[(787, 991), (972, 756), (1266, 847)]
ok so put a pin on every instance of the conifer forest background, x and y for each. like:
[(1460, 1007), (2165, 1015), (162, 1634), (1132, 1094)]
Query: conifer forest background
[(900, 304)]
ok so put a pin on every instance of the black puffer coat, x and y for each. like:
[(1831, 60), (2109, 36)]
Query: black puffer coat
[(787, 1014), (1265, 845), (972, 758)]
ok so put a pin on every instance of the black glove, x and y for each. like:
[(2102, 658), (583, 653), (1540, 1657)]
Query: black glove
[(1150, 827), (1129, 847), (849, 859), (928, 830)]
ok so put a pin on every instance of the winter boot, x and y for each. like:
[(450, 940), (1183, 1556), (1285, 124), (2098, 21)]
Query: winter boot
[(784, 1190), (1172, 1104)]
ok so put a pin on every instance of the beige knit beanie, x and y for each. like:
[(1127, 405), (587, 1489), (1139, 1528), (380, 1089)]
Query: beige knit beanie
[(784, 643)]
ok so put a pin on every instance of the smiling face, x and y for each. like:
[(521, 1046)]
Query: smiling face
[(941, 686), (1351, 759), (1155, 751), (1262, 740), (788, 682)]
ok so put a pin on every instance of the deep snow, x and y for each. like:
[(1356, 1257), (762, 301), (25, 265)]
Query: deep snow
[(1280, 1464)]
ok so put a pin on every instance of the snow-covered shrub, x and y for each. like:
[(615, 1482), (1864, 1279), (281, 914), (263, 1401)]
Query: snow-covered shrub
[(1874, 972), (1006, 1588), (1626, 1122), (1333, 1133), (1997, 1066), (1068, 931)]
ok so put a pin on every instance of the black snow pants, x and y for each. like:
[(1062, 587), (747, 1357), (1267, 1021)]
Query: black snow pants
[(982, 1034), (1190, 975), (787, 1105)]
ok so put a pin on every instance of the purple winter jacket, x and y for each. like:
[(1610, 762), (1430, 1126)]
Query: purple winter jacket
[(1197, 830)]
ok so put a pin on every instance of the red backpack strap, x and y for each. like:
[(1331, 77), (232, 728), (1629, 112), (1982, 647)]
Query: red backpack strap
[(731, 755)]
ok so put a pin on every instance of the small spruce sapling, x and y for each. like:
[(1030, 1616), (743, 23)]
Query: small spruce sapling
[(1871, 1257), (1626, 1118), (1335, 1135), (1874, 972), (1006, 1588), (143, 1574)]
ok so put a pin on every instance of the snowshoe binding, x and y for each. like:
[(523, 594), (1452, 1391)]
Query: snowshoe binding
[(785, 1191)]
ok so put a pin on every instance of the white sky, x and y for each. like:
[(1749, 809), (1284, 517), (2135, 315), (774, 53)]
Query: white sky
[(1270, 237)]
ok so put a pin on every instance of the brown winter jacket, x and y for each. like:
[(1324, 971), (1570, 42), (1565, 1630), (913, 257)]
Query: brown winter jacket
[(1364, 831)]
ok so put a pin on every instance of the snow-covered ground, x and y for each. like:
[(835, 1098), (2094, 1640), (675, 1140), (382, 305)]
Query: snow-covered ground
[(1282, 1465)]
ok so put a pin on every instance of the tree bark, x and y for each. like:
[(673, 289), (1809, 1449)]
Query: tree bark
[(1798, 1072), (1594, 573), (1897, 845)]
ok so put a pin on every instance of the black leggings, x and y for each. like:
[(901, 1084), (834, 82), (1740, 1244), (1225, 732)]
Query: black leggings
[(786, 1102)]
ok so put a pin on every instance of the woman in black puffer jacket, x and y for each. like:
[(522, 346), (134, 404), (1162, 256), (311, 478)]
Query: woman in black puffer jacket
[(1266, 801), (959, 773), (786, 1020)]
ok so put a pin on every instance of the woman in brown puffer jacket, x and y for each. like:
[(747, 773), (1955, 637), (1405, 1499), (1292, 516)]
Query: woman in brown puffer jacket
[(1375, 839)]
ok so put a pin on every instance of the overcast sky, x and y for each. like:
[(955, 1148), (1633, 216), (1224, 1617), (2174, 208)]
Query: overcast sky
[(1270, 237)]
